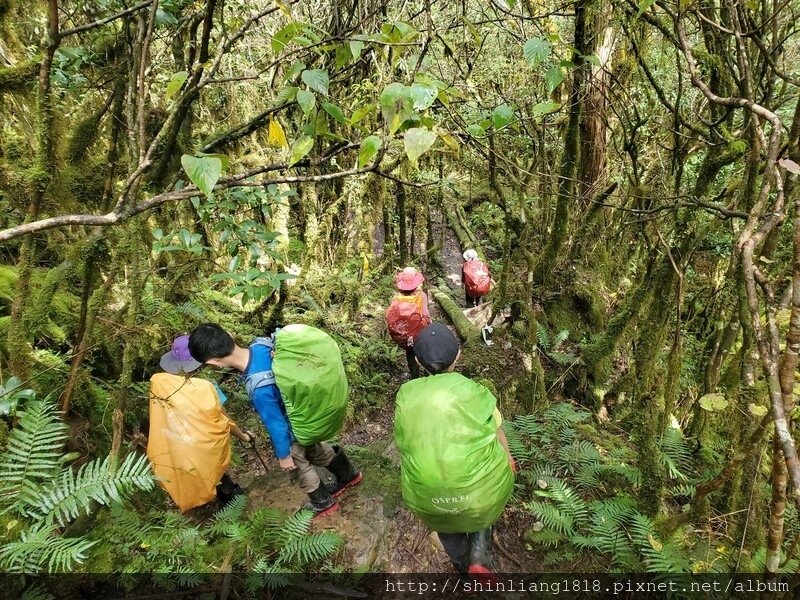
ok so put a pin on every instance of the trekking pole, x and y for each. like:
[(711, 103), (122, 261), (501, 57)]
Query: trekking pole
[(252, 446)]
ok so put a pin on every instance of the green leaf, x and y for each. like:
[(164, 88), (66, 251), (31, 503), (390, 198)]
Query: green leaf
[(223, 158), (335, 112), (713, 402), (417, 141), (476, 36), (643, 6), (554, 77), (476, 130), (757, 410), (423, 95), (300, 148), (361, 113), (306, 100), (544, 107), (203, 171), (164, 17), (343, 55), (287, 94), (356, 47), (592, 60), (396, 105), (369, 148), (316, 79), (294, 70), (175, 83), (502, 116), (536, 50)]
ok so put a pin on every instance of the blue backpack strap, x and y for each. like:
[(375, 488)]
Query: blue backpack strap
[(256, 380)]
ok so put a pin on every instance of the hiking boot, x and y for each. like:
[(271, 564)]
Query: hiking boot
[(346, 474), (483, 576), (321, 502), (480, 549), (228, 489)]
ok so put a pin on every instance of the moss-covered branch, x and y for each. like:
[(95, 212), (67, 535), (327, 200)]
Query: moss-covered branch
[(465, 329), (20, 78)]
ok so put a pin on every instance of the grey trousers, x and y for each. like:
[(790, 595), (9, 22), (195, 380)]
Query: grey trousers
[(304, 458)]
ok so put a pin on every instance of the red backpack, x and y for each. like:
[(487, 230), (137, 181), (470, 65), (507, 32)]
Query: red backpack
[(476, 278), (404, 320)]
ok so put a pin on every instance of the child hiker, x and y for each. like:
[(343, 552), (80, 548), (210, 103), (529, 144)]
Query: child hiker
[(189, 440), (408, 314), (297, 384), (456, 472)]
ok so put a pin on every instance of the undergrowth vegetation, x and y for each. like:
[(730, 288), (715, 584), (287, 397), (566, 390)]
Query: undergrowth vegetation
[(579, 481)]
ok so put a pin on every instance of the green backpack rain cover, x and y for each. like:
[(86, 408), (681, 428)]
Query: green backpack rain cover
[(310, 375), (455, 474)]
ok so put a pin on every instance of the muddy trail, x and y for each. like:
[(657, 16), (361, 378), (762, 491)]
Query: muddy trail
[(380, 534)]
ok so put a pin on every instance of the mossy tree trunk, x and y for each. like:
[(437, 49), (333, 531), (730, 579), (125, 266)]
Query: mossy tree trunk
[(136, 274), (21, 360), (571, 151)]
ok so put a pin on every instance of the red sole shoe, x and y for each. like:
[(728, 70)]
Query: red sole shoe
[(333, 507), (483, 575), (356, 480)]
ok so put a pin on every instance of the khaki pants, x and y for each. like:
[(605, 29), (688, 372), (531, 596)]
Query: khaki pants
[(304, 457)]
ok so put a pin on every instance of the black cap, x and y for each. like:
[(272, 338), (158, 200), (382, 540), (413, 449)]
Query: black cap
[(436, 348)]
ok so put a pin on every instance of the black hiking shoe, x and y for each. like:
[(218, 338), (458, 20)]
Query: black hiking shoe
[(228, 489), (321, 502), (346, 474)]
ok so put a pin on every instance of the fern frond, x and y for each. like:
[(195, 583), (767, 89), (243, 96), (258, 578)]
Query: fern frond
[(266, 574), (296, 526), (676, 454), (527, 425), (191, 310), (543, 471), (546, 537), (568, 501), (560, 338), (588, 477), (552, 517), (186, 576), (558, 557), (266, 523), (578, 454), (40, 548), (310, 549), (231, 512), (561, 358), (36, 592), (519, 450), (543, 337), (564, 414), (628, 472), (33, 454), (63, 499)]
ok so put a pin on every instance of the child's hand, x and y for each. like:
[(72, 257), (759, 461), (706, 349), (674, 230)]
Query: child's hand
[(287, 464)]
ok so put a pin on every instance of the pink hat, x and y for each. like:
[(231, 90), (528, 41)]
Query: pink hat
[(409, 279)]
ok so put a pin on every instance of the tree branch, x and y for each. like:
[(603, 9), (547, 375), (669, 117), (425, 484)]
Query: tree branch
[(101, 22)]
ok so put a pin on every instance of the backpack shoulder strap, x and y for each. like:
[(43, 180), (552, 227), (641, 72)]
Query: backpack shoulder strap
[(261, 378)]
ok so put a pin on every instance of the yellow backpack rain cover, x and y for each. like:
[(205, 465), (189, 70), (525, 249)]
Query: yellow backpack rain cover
[(189, 438)]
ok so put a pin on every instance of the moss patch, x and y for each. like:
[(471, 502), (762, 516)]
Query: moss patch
[(381, 475)]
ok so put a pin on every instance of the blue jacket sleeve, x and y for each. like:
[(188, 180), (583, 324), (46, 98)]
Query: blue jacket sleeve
[(267, 402)]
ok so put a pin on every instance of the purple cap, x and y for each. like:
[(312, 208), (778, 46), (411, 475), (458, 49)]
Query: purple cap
[(179, 359)]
